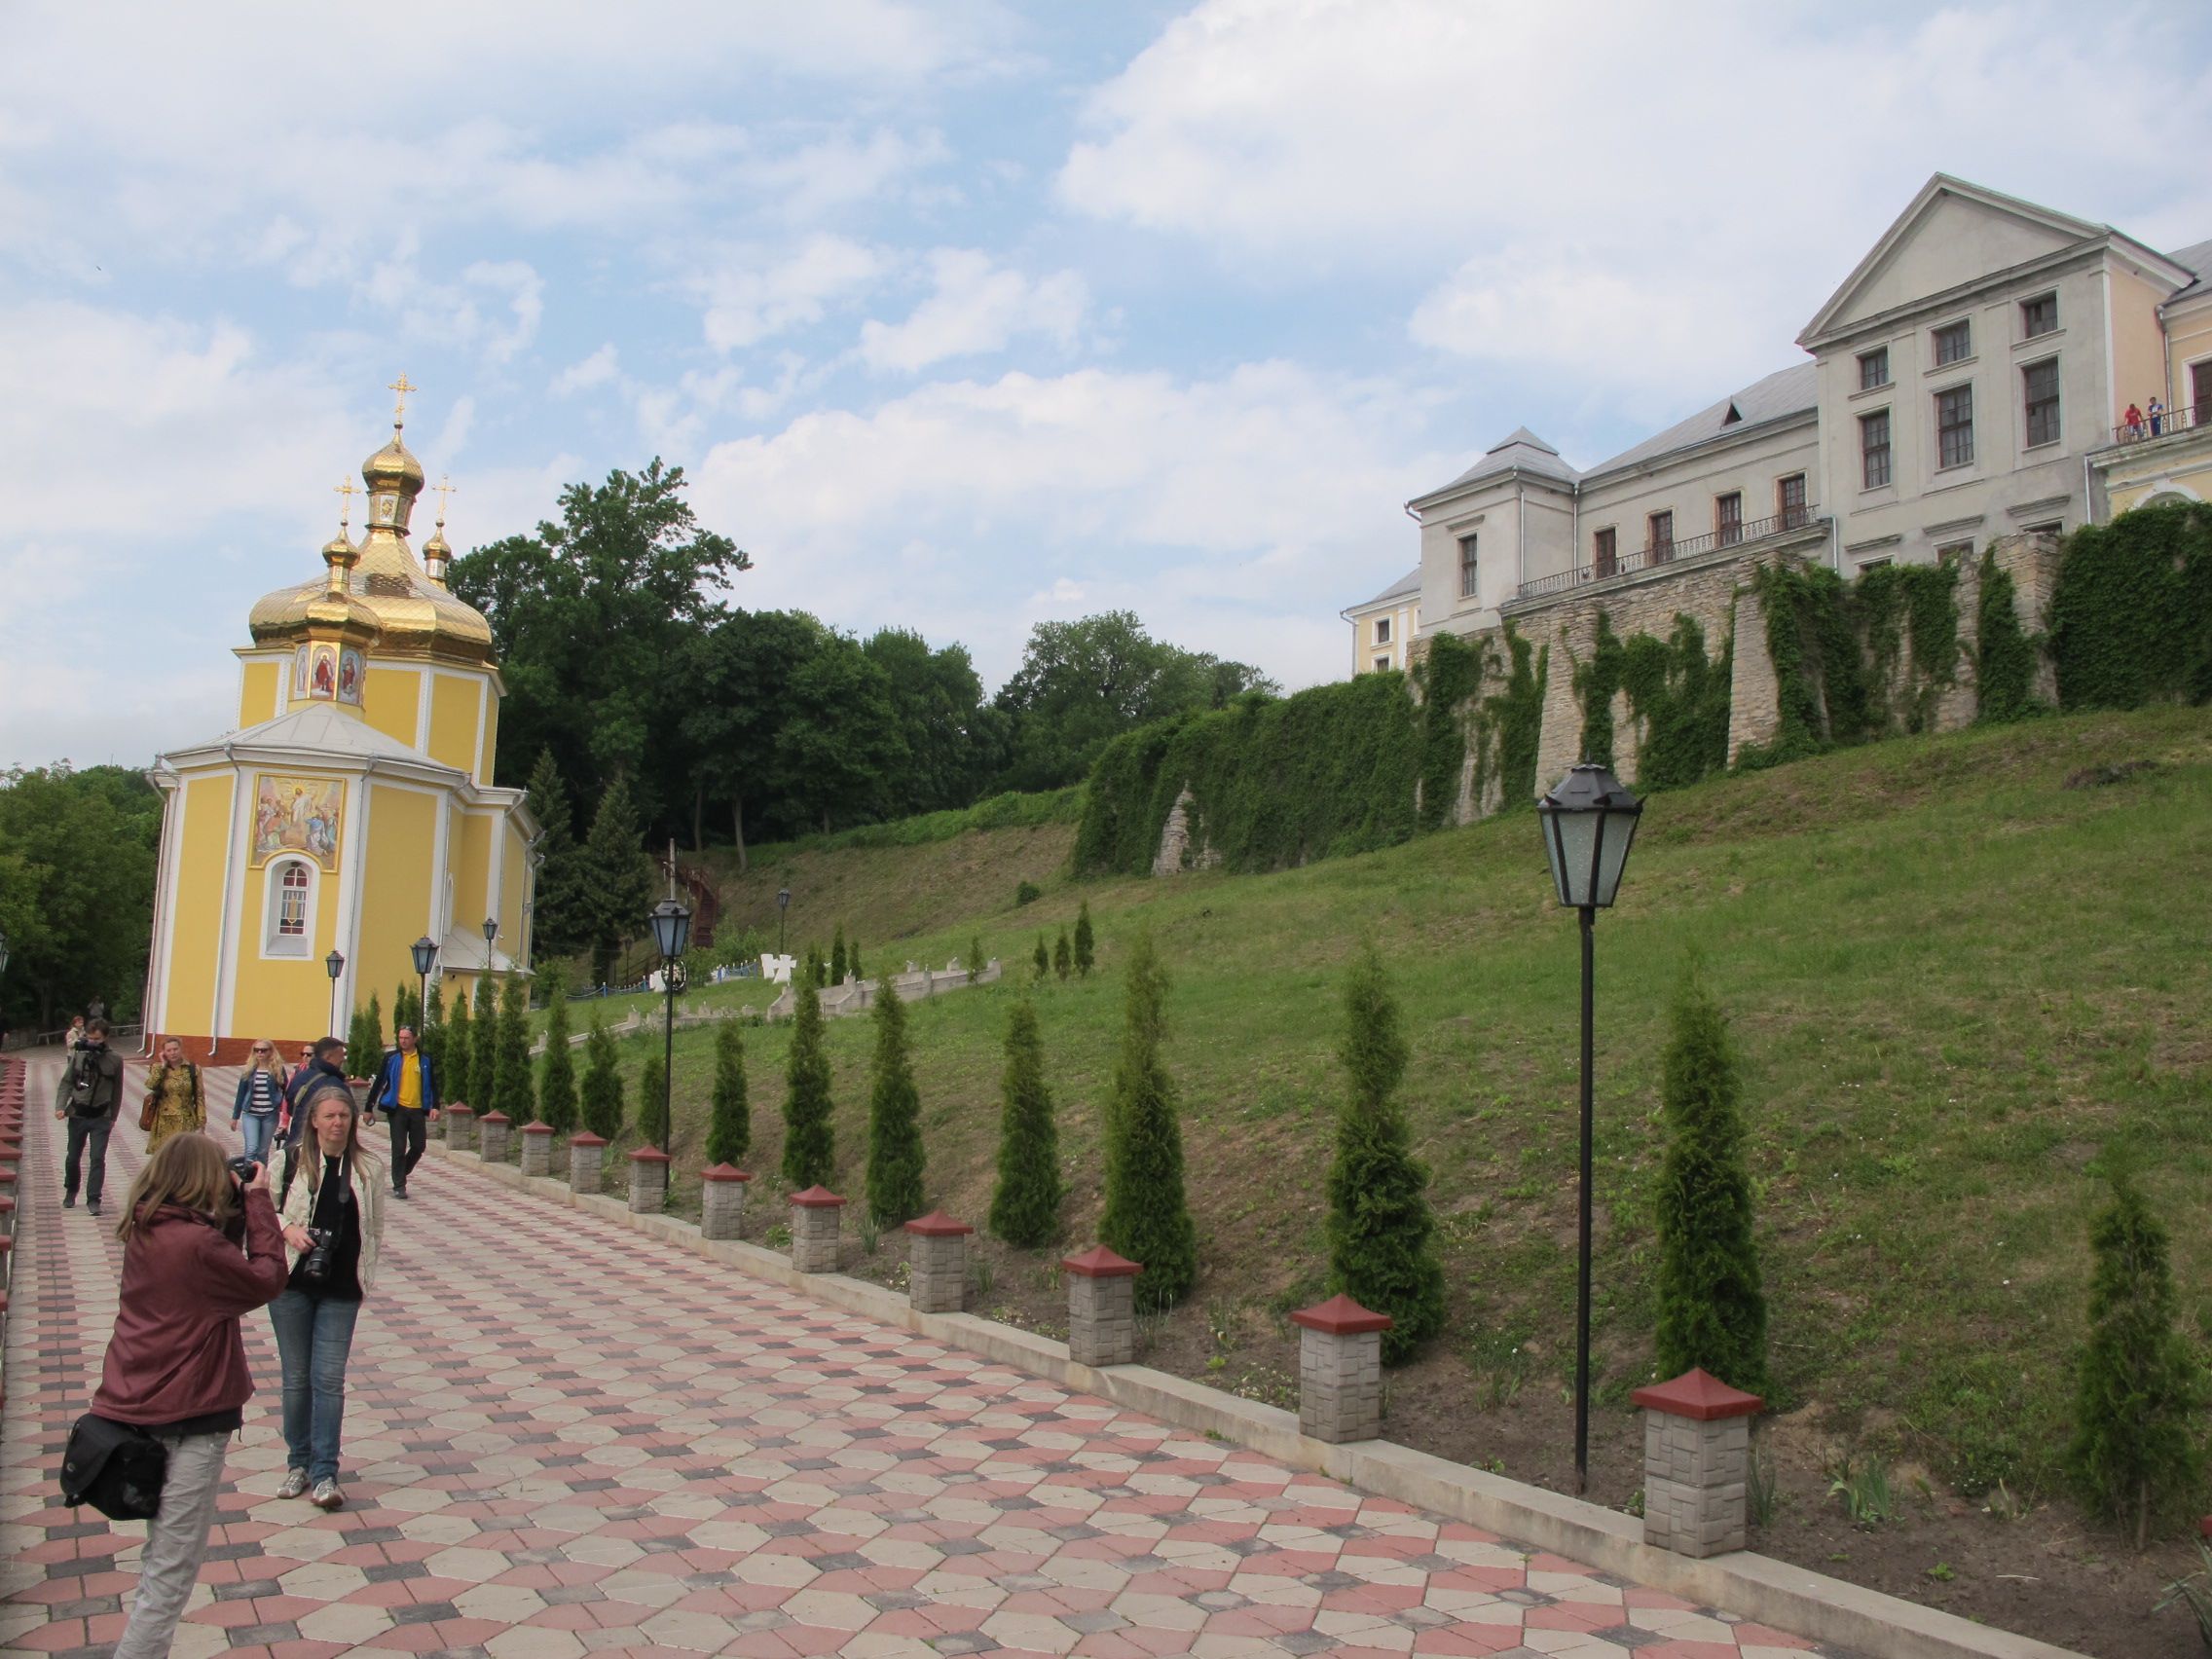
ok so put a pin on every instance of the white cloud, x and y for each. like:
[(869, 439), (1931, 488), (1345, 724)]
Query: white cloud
[(596, 370), (745, 298), (977, 306)]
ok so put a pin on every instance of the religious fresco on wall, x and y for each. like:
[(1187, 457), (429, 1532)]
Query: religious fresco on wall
[(297, 815), (350, 669)]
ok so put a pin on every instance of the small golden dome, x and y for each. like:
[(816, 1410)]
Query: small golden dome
[(392, 469)]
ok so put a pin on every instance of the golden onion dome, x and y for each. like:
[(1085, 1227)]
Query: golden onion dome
[(394, 469)]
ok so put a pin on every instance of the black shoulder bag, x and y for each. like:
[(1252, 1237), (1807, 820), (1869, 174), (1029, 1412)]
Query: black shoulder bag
[(115, 1467)]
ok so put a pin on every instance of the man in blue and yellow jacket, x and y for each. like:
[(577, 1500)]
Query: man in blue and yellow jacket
[(406, 1089)]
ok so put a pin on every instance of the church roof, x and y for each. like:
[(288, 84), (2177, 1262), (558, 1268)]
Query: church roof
[(1519, 448), (1794, 391)]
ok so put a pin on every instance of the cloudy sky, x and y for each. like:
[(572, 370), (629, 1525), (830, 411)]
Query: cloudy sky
[(959, 316)]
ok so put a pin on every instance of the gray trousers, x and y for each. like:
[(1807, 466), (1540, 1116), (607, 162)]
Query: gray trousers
[(176, 1540)]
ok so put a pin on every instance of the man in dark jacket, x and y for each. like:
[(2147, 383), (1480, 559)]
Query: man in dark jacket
[(320, 1075), (407, 1088), (92, 1085)]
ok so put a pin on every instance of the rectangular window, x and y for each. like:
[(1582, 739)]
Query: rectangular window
[(1954, 343), (1954, 552), (1866, 565), (1661, 538), (1875, 449), (1605, 554), (1790, 501), (1382, 630), (2038, 315), (1728, 518), (1873, 368), (1382, 662), (2200, 394), (1954, 426), (1467, 570), (2038, 382)]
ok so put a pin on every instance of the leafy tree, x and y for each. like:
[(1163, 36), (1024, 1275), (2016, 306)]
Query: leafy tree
[(840, 751), (1063, 959), (460, 1056), (895, 1156), (602, 1081), (1380, 1229), (511, 1080), (741, 671), (484, 1059), (558, 924), (1085, 941), (1147, 1218), (1043, 959), (557, 1076), (2138, 1451), (652, 1101), (837, 957), (975, 958), (810, 1139), (729, 1131), (620, 880), (78, 920), (950, 735), (1025, 1208), (432, 1037), (1712, 1309)]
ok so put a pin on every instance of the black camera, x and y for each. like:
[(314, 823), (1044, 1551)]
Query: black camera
[(241, 1168), (315, 1261)]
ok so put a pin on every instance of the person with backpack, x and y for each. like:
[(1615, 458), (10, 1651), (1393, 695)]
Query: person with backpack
[(92, 1088), (174, 1104), (261, 1095), (323, 1073), (201, 1250)]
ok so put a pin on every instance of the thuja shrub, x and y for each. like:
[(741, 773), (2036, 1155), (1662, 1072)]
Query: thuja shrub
[(1712, 1308), (810, 1138), (1041, 959), (652, 1101), (837, 956), (730, 1129), (2137, 1456), (457, 1060), (484, 1057), (974, 959), (1147, 1217), (432, 1038), (1380, 1229), (557, 1075), (1063, 956), (511, 1080), (603, 1081), (1026, 1207), (2131, 610), (1086, 940), (895, 1156)]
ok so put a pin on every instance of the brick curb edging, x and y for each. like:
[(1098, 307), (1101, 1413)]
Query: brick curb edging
[(1753, 1586)]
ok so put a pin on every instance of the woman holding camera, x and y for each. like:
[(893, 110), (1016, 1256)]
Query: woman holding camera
[(177, 1365), (332, 1212)]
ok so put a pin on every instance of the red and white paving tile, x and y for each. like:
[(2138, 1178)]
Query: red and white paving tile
[(563, 1438)]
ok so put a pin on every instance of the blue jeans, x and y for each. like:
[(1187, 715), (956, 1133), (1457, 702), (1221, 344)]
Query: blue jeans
[(314, 1336), (255, 1128)]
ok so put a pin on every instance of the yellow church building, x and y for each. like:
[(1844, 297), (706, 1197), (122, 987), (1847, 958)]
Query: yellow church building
[(352, 811)]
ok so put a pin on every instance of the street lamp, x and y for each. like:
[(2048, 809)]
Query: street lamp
[(335, 965), (1589, 820), (3, 953), (491, 933), (425, 952), (783, 909), (672, 936)]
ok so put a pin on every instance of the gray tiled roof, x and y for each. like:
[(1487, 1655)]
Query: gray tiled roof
[(2197, 256), (1409, 583), (1786, 392), (1520, 448)]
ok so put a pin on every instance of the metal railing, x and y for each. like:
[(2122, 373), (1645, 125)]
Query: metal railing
[(2163, 424), (1660, 553)]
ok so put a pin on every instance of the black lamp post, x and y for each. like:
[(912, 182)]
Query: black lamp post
[(3, 953), (1588, 818), (334, 965), (425, 952), (672, 936), (783, 909), (491, 933)]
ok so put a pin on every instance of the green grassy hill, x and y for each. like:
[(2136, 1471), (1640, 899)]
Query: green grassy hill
[(1954, 977)]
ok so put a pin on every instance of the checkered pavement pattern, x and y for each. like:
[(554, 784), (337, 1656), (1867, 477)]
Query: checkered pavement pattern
[(563, 1438)]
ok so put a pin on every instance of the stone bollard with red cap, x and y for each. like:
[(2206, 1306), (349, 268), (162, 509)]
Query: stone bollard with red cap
[(492, 1132), (1340, 1370), (537, 1149), (936, 1262), (1102, 1319), (461, 1128), (587, 1161), (815, 1219), (1697, 1447), (722, 1202), (649, 1180)]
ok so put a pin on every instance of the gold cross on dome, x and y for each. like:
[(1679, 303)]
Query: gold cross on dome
[(345, 490), (445, 489), (403, 386)]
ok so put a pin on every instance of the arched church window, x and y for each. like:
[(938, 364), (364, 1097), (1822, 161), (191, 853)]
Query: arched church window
[(291, 907)]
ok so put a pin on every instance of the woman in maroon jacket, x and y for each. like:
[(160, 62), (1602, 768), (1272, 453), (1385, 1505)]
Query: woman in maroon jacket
[(176, 1363)]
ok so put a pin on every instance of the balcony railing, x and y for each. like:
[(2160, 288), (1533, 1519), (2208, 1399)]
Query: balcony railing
[(1660, 553), (2163, 424)]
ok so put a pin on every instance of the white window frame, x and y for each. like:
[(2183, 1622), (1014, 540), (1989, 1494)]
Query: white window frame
[(1470, 565), (1382, 630), (1384, 664), (275, 944)]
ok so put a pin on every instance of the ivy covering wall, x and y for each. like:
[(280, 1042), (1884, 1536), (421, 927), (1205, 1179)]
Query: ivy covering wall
[(1679, 697), (2132, 613)]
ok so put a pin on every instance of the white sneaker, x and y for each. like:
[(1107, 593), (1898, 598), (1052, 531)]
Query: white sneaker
[(295, 1483), (327, 1495)]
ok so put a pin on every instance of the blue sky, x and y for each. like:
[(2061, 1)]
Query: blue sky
[(959, 316)]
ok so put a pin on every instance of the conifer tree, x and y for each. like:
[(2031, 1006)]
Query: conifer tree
[(602, 1081), (852, 960), (460, 1056), (357, 1042), (617, 876), (559, 924), (557, 1078), (1380, 1229), (974, 959), (1042, 960), (1147, 1217), (1711, 1311), (483, 1062), (512, 1092), (1063, 959), (810, 1139), (403, 1013), (2138, 1451), (729, 1131), (432, 1037), (652, 1101), (1085, 941), (837, 957), (372, 1041), (895, 1156), (1025, 1208)]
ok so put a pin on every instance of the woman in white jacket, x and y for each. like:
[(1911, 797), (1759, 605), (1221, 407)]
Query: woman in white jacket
[(331, 1205)]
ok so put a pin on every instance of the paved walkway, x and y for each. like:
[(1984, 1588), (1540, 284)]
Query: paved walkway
[(563, 1438)]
